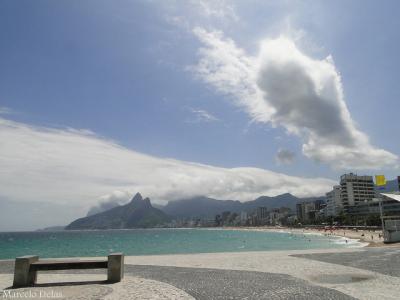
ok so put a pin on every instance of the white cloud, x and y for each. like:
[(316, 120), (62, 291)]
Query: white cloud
[(220, 9), (226, 67), (5, 110), (284, 87), (78, 168), (285, 156), (191, 13), (201, 115)]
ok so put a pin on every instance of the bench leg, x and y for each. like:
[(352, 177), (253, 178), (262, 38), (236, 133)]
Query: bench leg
[(115, 267), (22, 275)]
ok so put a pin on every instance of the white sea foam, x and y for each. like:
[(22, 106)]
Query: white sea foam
[(313, 233), (351, 243)]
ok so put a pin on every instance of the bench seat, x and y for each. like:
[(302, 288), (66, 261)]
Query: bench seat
[(52, 265), (26, 267)]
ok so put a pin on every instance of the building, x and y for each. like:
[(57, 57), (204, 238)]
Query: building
[(390, 206), (334, 204), (277, 215), (252, 220), (299, 211), (319, 204), (355, 189), (292, 220), (262, 214), (207, 223), (307, 211), (243, 217)]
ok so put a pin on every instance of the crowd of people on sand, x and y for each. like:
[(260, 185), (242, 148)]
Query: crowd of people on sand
[(372, 236), (368, 235)]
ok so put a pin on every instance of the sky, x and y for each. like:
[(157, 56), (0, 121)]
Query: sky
[(174, 99)]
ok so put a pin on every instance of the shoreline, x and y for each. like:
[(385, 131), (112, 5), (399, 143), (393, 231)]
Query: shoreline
[(366, 237)]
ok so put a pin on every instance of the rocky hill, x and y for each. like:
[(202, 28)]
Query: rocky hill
[(138, 213)]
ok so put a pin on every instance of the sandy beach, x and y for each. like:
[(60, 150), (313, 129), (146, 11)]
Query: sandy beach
[(369, 238), (373, 238)]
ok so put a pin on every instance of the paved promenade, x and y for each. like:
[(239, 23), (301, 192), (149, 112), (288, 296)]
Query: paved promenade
[(367, 273)]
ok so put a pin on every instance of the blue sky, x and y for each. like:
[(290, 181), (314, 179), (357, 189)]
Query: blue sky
[(128, 72)]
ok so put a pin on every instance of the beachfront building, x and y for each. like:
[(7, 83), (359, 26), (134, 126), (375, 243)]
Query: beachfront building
[(292, 220), (355, 190), (244, 217), (207, 222), (368, 212), (262, 215), (308, 211), (299, 211), (334, 204), (321, 213), (278, 215), (274, 216)]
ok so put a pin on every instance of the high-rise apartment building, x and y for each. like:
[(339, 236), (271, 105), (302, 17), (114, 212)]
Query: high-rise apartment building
[(262, 213), (356, 189), (308, 210), (334, 204)]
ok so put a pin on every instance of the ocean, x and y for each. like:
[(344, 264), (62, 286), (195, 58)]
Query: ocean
[(157, 241)]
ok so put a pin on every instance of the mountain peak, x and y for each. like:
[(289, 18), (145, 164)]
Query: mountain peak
[(139, 201), (139, 213), (286, 195), (137, 198), (146, 201)]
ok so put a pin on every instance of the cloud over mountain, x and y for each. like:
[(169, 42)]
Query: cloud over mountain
[(79, 168), (284, 87)]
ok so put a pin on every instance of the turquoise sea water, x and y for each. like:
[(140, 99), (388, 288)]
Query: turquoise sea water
[(154, 241)]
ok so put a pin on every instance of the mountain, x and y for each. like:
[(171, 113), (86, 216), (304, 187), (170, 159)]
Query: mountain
[(200, 207), (286, 200), (204, 207), (138, 213)]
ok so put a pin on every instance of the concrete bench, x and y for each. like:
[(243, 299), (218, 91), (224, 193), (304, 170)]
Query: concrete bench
[(26, 267)]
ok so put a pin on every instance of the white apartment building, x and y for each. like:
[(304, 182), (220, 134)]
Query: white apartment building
[(243, 217), (334, 204), (356, 189)]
